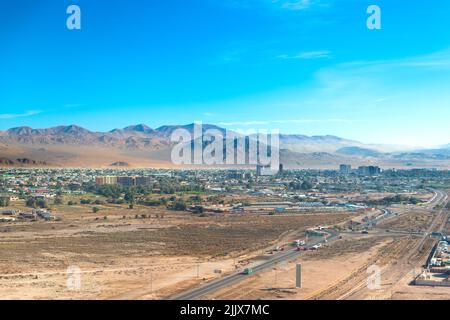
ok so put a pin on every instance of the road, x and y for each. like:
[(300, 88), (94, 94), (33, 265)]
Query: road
[(236, 277), (438, 223), (395, 272), (196, 293)]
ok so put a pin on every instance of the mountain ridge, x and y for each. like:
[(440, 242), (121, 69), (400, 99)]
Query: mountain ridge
[(142, 145), (141, 132)]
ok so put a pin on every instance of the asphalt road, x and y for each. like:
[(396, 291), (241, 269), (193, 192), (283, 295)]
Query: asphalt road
[(236, 277), (196, 293)]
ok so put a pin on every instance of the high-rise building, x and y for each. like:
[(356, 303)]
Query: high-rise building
[(345, 169), (374, 170), (369, 170), (106, 180), (126, 181), (144, 181)]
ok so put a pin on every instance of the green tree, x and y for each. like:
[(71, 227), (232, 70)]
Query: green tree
[(4, 201), (41, 203), (31, 202), (306, 185), (180, 205), (85, 201), (130, 197)]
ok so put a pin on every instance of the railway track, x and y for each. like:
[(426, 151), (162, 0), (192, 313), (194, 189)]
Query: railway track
[(356, 284)]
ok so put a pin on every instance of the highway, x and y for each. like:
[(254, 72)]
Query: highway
[(196, 293), (441, 199), (236, 277)]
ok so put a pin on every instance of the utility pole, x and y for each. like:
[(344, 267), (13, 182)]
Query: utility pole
[(151, 282), (298, 278), (276, 267)]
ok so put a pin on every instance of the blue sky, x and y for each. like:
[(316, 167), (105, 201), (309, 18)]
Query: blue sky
[(301, 66)]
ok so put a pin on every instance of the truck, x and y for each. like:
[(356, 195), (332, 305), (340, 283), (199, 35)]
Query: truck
[(248, 271), (299, 243)]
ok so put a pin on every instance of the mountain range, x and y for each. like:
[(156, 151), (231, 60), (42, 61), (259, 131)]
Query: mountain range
[(142, 146)]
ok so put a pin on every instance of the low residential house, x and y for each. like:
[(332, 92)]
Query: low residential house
[(43, 214), (28, 215), (10, 212)]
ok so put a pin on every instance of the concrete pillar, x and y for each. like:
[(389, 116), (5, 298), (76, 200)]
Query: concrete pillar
[(298, 278)]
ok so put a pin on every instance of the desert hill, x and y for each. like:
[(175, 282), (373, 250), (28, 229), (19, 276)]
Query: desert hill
[(142, 146)]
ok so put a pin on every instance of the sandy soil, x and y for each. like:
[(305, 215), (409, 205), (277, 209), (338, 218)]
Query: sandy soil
[(318, 273), (122, 257), (77, 156)]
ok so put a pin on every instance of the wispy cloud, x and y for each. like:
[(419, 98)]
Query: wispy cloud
[(232, 56), (301, 5), (293, 5), (307, 55), (72, 105), (379, 100), (360, 82), (19, 115), (435, 60)]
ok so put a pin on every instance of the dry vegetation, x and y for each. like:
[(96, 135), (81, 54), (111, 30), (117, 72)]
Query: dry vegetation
[(347, 246), (416, 221), (150, 240), (84, 237)]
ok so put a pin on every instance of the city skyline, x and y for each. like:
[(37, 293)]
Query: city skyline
[(304, 67), (208, 151)]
